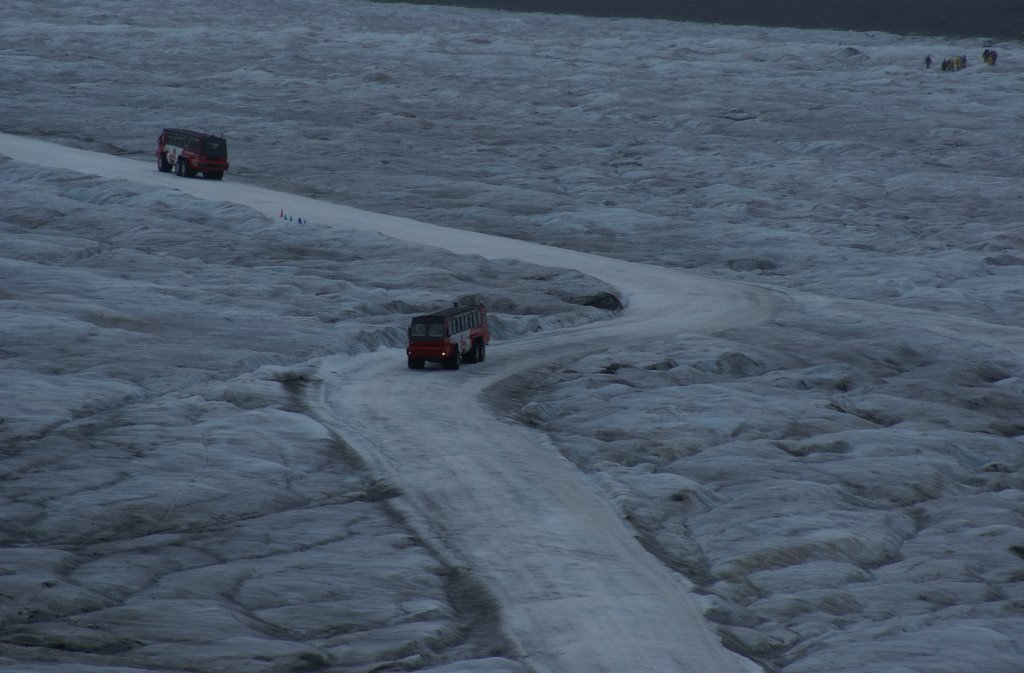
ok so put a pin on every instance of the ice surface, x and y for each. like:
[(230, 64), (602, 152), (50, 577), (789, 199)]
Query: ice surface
[(841, 483)]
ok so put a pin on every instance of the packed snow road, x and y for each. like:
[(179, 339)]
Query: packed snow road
[(576, 591)]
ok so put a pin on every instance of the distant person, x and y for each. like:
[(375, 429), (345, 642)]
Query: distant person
[(928, 61)]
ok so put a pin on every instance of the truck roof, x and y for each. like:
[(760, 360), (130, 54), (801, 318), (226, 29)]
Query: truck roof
[(198, 134), (452, 310)]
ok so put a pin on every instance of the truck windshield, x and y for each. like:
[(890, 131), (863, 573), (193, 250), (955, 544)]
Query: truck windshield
[(428, 330)]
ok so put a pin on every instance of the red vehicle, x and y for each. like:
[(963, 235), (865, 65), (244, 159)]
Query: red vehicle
[(450, 336), (189, 152)]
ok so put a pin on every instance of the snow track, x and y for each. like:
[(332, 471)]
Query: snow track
[(577, 591)]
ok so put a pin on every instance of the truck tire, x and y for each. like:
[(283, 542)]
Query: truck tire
[(454, 361), (183, 169)]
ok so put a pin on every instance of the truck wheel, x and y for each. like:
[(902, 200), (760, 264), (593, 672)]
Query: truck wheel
[(454, 361), (481, 351), (213, 175), (162, 164)]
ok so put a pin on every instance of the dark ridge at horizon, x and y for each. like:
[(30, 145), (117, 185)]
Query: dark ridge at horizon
[(1003, 19)]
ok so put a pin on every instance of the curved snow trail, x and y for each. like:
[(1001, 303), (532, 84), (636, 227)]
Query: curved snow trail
[(577, 591)]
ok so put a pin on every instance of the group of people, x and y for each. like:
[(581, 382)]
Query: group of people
[(954, 63), (960, 62)]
